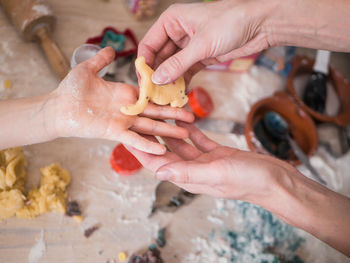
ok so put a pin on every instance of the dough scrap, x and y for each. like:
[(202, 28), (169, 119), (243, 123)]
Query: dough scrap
[(12, 169), (10, 202), (173, 93), (51, 196)]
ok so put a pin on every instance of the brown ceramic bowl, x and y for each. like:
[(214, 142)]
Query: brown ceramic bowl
[(304, 65), (302, 127)]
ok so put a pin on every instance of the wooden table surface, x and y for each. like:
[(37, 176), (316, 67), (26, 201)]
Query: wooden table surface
[(121, 205)]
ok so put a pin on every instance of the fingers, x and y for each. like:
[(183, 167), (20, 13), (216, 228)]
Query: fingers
[(182, 148), (141, 143), (176, 65), (167, 112), (153, 162), (101, 59), (167, 50), (191, 172), (153, 41), (202, 142), (153, 127)]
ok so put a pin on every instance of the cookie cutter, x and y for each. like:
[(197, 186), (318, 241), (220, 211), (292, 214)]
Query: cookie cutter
[(127, 33), (116, 41)]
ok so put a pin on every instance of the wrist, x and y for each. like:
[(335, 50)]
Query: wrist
[(317, 24), (28, 121), (48, 103), (298, 195), (314, 208), (290, 23)]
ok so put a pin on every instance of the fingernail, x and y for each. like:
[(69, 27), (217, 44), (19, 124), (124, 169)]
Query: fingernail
[(159, 151), (164, 175), (160, 76)]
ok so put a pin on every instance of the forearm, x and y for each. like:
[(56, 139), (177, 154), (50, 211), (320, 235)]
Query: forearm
[(319, 24), (312, 207), (26, 121)]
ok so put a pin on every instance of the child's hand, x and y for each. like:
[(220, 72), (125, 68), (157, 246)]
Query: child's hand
[(88, 106)]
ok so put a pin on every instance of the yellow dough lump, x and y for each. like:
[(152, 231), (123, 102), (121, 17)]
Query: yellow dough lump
[(173, 93), (51, 196), (12, 178)]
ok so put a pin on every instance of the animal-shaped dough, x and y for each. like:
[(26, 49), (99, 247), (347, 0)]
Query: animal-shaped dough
[(173, 93)]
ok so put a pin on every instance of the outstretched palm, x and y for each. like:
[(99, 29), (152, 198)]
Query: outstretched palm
[(209, 168), (89, 107)]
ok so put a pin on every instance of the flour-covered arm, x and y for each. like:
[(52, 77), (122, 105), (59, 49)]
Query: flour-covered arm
[(85, 105)]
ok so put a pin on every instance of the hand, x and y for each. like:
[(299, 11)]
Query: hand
[(219, 171), (88, 106), (188, 37), (208, 168)]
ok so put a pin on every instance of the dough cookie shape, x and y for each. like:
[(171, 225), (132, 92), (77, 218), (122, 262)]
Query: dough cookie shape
[(173, 93)]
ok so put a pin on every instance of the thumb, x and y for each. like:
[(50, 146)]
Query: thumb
[(176, 65), (190, 172), (101, 59)]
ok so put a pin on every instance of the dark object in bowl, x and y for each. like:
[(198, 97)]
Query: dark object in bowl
[(315, 93), (304, 65), (301, 126), (276, 146)]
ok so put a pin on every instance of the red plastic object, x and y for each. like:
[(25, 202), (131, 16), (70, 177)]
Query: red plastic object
[(123, 162), (200, 102), (127, 33)]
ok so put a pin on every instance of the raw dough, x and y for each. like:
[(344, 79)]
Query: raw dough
[(50, 196), (173, 93), (12, 178)]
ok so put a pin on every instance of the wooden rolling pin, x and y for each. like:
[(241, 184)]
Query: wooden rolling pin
[(35, 20)]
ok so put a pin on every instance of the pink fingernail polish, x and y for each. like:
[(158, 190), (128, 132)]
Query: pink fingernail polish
[(163, 175)]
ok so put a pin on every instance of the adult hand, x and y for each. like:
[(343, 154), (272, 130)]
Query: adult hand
[(209, 168), (88, 106), (187, 37)]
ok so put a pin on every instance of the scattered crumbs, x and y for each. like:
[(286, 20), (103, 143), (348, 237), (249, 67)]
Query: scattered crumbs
[(73, 209), (152, 246), (175, 201), (161, 241), (215, 220), (100, 252), (7, 84), (78, 219), (258, 236), (150, 256), (122, 256), (88, 232)]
